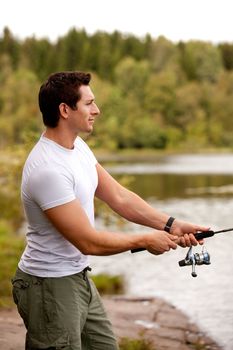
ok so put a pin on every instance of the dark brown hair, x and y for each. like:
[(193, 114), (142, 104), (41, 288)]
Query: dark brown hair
[(60, 87)]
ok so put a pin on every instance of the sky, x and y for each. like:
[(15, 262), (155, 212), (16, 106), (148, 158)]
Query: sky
[(208, 20)]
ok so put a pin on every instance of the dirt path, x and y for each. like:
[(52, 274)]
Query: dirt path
[(154, 319)]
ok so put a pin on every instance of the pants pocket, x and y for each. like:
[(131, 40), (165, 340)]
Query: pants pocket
[(58, 342), (19, 291)]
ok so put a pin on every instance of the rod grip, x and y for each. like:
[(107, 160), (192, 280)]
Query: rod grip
[(204, 234), (199, 235), (136, 250)]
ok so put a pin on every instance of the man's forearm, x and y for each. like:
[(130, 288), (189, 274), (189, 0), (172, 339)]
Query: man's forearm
[(110, 243), (135, 209)]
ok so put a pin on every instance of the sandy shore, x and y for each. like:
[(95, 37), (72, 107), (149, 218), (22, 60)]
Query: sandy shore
[(151, 318)]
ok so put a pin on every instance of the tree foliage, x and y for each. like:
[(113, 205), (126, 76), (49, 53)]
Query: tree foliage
[(152, 93)]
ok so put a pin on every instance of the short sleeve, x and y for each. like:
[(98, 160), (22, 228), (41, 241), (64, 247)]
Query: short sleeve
[(50, 187)]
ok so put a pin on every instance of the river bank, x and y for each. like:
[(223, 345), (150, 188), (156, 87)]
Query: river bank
[(166, 327), (151, 155)]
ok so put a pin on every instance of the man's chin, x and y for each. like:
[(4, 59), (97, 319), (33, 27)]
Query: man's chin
[(88, 131)]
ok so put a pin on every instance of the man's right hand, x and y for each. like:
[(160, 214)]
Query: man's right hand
[(160, 242)]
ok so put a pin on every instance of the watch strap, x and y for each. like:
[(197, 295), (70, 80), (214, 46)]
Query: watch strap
[(169, 224)]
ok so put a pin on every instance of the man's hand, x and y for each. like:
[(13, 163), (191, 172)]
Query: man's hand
[(160, 242), (186, 233)]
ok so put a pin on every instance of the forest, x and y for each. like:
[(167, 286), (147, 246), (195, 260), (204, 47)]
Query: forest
[(152, 93)]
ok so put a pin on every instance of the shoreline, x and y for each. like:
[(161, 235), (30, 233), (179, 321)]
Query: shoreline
[(153, 319), (146, 154)]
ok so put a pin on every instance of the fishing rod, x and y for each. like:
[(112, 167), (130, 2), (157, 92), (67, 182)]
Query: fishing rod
[(210, 233), (194, 259)]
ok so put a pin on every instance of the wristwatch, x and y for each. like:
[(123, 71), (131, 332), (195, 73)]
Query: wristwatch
[(169, 224)]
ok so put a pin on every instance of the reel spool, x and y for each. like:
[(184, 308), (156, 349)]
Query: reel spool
[(194, 259)]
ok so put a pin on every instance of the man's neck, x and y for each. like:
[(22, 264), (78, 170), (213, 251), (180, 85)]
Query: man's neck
[(63, 138)]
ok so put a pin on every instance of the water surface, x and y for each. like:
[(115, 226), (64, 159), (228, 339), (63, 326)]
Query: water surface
[(199, 189)]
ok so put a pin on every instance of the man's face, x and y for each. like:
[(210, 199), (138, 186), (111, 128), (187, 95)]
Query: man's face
[(83, 118)]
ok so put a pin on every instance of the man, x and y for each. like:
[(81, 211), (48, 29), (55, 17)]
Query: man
[(58, 302)]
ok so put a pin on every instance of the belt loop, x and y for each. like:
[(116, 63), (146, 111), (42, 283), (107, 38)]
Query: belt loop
[(84, 272), (88, 268)]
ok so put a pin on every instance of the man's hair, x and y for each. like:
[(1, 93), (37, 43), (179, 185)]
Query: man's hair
[(61, 87)]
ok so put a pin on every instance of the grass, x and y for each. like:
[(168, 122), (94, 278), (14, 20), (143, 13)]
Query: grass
[(107, 284), (145, 344), (135, 344), (11, 248), (199, 346)]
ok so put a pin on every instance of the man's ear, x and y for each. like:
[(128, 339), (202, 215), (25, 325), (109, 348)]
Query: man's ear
[(63, 108)]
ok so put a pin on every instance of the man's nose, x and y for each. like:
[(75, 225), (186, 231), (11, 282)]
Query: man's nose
[(96, 110)]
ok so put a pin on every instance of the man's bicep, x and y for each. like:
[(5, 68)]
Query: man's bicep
[(72, 222), (50, 187)]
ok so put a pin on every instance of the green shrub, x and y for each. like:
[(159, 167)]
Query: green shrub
[(135, 344), (199, 346), (107, 284), (11, 248)]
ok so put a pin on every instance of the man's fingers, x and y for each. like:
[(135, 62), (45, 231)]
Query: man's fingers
[(192, 239), (202, 228), (182, 242), (172, 243), (172, 237)]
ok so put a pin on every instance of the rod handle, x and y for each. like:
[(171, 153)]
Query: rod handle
[(137, 250), (204, 234), (200, 235)]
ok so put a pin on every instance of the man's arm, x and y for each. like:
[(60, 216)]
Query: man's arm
[(127, 203), (133, 208), (72, 222)]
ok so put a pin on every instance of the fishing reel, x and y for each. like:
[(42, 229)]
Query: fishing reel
[(194, 259)]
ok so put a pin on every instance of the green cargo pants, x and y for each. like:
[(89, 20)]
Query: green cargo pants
[(62, 313)]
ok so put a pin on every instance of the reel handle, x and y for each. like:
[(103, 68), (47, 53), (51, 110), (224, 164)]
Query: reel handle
[(198, 236), (182, 263)]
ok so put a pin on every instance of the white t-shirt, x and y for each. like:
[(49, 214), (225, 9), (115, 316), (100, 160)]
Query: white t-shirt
[(52, 176)]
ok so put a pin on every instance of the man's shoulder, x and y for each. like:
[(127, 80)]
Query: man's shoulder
[(41, 162), (82, 146), (79, 142), (42, 154)]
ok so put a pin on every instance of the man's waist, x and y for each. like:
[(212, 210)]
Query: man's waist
[(58, 268)]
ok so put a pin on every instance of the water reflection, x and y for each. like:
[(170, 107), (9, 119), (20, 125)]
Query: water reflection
[(164, 186), (179, 176)]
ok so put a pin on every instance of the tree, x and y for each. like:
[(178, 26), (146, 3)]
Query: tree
[(160, 95), (10, 46), (162, 53), (227, 55), (222, 111), (19, 113), (72, 50), (37, 55), (201, 61), (131, 77)]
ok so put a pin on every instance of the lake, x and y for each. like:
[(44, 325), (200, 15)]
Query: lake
[(197, 188)]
